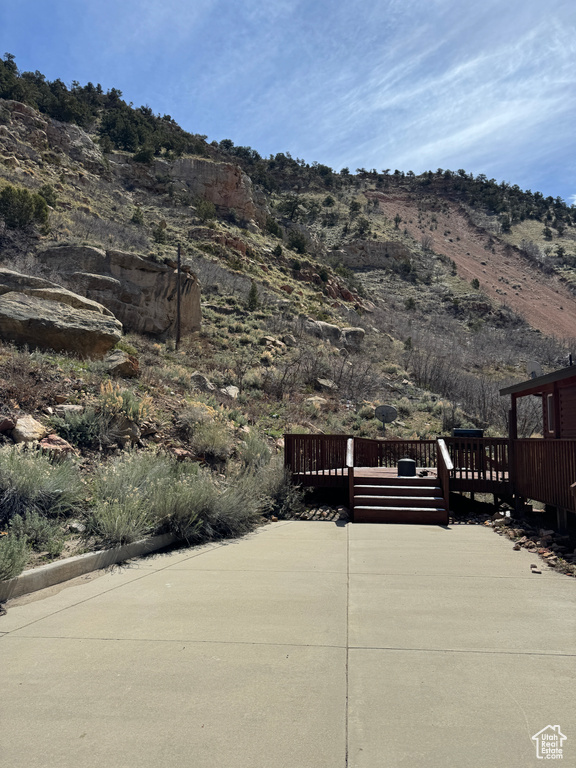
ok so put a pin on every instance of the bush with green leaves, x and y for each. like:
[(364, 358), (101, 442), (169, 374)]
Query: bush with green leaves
[(253, 451), (41, 533), (31, 482), (86, 429), (20, 208), (205, 209), (13, 556)]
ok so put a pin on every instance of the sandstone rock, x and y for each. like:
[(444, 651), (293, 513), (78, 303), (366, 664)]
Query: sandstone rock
[(317, 401), (289, 289), (323, 330), (289, 340), (201, 382), (140, 292), (181, 454), (223, 184), (56, 446), (60, 399), (326, 384), (120, 363), (230, 391), (48, 324), (27, 430), (76, 527), (353, 337), (62, 410), (125, 431)]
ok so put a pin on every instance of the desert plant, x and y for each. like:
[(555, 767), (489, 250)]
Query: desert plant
[(31, 482), (116, 402), (86, 429), (13, 556), (41, 533), (20, 208), (253, 452), (119, 521)]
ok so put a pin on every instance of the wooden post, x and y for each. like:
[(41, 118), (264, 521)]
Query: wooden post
[(178, 298)]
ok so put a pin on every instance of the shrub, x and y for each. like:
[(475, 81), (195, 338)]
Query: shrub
[(30, 482), (47, 192), (212, 440), (273, 227), (123, 402), (138, 216), (119, 521), (41, 533), (297, 241), (13, 556), (205, 210), (20, 208), (253, 452), (86, 429), (281, 497)]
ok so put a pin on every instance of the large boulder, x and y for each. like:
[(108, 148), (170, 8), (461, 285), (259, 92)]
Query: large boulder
[(323, 330), (141, 292), (44, 323), (352, 338)]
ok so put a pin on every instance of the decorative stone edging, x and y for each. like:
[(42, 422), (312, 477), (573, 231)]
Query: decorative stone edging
[(71, 567)]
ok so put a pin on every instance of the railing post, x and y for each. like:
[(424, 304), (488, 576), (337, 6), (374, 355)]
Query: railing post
[(350, 466)]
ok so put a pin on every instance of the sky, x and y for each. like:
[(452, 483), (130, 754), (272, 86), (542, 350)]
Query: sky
[(409, 84)]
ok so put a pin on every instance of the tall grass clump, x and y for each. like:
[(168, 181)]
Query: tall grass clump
[(121, 512), (13, 556), (30, 482), (281, 497)]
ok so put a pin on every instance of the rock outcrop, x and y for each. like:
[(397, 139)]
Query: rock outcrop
[(44, 315), (224, 184), (371, 254), (141, 292), (45, 324), (351, 338)]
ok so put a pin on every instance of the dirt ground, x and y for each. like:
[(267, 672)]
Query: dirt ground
[(503, 274)]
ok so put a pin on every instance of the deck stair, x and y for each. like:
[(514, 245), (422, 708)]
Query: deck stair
[(398, 500)]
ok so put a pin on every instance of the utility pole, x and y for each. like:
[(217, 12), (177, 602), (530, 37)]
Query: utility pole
[(178, 291)]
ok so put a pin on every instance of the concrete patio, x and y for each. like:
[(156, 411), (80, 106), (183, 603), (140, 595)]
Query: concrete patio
[(304, 645)]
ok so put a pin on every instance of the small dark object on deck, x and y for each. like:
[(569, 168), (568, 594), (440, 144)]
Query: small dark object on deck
[(406, 468), (423, 473)]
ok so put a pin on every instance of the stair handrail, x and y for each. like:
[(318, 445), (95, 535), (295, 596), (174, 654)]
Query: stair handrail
[(445, 466), (350, 467)]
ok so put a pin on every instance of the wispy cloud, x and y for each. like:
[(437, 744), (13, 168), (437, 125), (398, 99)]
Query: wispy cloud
[(412, 84)]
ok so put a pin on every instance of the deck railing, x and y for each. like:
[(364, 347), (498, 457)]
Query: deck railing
[(313, 454), (387, 453), (545, 470), (445, 467), (485, 459)]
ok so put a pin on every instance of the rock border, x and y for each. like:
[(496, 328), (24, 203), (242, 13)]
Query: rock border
[(64, 570)]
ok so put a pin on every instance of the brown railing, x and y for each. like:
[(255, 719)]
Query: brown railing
[(479, 460), (544, 470), (314, 454), (387, 453)]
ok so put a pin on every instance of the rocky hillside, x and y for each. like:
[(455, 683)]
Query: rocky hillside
[(308, 296)]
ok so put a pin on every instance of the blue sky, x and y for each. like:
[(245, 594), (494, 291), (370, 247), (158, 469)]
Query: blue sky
[(407, 84)]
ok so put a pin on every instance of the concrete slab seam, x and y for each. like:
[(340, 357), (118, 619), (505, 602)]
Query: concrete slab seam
[(486, 652)]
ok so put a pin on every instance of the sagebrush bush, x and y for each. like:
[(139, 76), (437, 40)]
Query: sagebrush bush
[(280, 496), (213, 440), (31, 482), (86, 429), (119, 521), (41, 533), (253, 451), (13, 556)]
